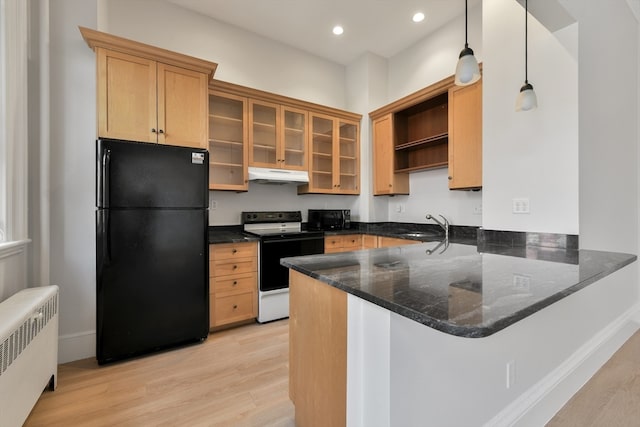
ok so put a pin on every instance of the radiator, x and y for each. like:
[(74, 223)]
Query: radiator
[(28, 351)]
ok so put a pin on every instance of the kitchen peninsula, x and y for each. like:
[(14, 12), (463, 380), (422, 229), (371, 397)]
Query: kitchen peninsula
[(434, 335)]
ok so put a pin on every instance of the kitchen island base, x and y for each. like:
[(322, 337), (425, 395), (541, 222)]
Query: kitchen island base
[(401, 372)]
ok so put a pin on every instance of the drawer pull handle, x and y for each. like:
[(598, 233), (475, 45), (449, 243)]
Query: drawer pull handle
[(235, 282), (235, 267), (234, 251), (235, 306)]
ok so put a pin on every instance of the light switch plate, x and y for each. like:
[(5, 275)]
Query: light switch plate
[(520, 205)]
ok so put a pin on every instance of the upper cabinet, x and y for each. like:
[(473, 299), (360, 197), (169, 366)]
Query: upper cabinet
[(148, 94), (281, 133), (465, 136), (439, 126), (228, 152), (277, 136), (334, 156), (385, 178)]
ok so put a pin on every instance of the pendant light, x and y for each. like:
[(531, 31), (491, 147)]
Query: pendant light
[(467, 70), (526, 99)]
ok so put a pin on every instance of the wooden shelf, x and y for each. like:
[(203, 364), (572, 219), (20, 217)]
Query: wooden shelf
[(316, 154), (317, 172), (233, 165), (266, 125), (225, 118), (225, 141), (423, 167), (436, 139), (264, 147), (294, 150)]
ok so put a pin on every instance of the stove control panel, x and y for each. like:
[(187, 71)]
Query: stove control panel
[(267, 217)]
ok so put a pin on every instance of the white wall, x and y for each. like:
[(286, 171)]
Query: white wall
[(426, 62), (608, 125), (244, 58), (73, 132), (530, 154)]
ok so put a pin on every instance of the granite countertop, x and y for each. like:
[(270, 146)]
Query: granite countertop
[(229, 235), (455, 288)]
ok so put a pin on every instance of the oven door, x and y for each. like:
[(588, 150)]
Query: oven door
[(273, 275)]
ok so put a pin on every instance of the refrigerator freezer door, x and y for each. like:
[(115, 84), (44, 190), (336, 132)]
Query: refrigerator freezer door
[(152, 280), (143, 175)]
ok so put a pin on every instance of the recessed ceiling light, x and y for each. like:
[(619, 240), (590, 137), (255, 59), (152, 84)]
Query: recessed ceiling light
[(337, 30), (418, 17)]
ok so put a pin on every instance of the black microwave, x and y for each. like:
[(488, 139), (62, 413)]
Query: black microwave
[(329, 219)]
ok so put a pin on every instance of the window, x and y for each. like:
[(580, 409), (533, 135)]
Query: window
[(13, 120)]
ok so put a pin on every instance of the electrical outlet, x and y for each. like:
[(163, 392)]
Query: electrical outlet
[(510, 374), (520, 205), (477, 210), (521, 282), (213, 205)]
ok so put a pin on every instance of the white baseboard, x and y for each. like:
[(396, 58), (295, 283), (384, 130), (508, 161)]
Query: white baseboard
[(541, 402), (76, 346)]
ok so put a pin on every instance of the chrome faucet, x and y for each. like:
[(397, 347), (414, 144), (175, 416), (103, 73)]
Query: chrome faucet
[(445, 225)]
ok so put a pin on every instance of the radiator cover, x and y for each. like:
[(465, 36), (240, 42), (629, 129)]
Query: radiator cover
[(28, 351)]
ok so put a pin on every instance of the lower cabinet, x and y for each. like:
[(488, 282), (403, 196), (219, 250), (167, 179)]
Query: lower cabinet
[(342, 243), (385, 242), (233, 283)]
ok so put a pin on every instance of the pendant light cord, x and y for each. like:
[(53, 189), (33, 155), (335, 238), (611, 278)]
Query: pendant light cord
[(466, 18), (526, 43)]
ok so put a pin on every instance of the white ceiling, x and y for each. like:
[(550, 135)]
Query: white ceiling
[(383, 27)]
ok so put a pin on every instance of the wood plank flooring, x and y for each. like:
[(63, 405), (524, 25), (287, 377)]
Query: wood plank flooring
[(611, 397), (237, 377)]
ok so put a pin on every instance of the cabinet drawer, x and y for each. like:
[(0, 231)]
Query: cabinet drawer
[(235, 283), (236, 266), (232, 250), (384, 242), (332, 242), (369, 241), (352, 242), (233, 308)]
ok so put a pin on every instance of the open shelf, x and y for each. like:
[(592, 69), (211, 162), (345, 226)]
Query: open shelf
[(422, 135)]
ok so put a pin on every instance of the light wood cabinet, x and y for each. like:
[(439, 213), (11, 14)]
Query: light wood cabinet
[(465, 136), (317, 352), (277, 136), (148, 94), (148, 101), (369, 241), (386, 180), (228, 153), (342, 243), (334, 165), (438, 126), (233, 283), (385, 242)]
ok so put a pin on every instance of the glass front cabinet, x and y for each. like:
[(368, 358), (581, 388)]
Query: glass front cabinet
[(227, 142), (334, 156)]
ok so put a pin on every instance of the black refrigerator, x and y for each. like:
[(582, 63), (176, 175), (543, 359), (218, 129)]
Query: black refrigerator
[(151, 248)]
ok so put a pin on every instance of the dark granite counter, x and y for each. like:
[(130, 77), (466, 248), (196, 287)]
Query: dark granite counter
[(412, 231), (229, 234), (457, 289)]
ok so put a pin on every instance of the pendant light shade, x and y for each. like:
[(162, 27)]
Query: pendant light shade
[(527, 99), (467, 70)]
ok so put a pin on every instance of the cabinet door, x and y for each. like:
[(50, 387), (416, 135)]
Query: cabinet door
[(465, 136), (348, 167), (228, 154), (263, 135), (322, 155), (183, 107), (386, 181), (126, 97), (294, 138)]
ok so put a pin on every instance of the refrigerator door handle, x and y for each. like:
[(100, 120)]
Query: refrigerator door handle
[(104, 184), (104, 233)]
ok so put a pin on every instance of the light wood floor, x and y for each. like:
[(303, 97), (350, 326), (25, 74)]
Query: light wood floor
[(611, 398), (237, 377)]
